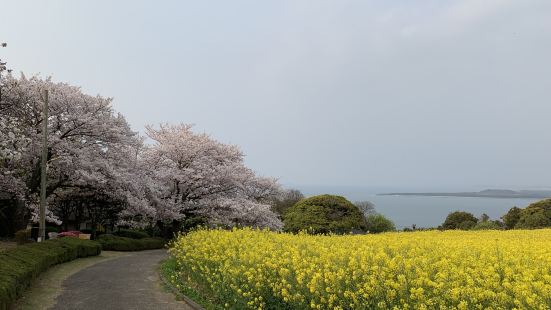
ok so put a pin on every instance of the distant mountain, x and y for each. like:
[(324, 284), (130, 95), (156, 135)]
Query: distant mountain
[(489, 193)]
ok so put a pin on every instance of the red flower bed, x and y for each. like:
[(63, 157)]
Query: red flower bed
[(71, 233)]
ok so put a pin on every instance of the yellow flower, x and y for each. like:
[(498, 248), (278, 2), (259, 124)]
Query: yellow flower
[(247, 268)]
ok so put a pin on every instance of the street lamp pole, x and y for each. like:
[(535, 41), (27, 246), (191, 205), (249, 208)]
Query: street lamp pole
[(43, 163)]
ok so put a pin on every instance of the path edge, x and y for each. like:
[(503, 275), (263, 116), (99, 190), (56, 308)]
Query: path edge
[(177, 292)]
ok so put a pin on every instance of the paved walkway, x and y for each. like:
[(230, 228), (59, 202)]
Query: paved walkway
[(129, 282)]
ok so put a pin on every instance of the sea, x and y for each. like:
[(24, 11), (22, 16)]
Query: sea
[(421, 211)]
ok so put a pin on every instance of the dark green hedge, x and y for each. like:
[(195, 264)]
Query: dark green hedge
[(129, 233), (115, 243), (20, 265)]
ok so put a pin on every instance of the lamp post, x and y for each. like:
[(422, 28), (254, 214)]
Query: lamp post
[(43, 167)]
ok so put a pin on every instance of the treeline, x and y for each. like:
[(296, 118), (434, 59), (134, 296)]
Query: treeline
[(325, 214), (536, 215)]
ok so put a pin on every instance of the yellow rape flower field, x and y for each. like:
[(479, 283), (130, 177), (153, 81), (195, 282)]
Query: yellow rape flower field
[(248, 268)]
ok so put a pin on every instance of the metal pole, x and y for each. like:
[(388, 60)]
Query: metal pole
[(42, 224)]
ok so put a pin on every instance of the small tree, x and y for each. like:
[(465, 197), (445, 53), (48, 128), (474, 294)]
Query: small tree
[(378, 223), (484, 217), (511, 218), (366, 207), (460, 220)]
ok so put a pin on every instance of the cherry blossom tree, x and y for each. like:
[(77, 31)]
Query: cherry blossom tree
[(89, 145), (197, 175)]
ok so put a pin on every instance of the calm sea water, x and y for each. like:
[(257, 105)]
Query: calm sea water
[(425, 211)]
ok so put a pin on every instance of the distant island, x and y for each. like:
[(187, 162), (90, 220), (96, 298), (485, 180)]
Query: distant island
[(489, 193)]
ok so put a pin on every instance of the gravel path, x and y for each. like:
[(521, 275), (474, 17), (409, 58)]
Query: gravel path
[(129, 282)]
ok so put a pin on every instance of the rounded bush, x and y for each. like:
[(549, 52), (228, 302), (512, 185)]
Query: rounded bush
[(378, 223), (460, 220), (324, 214), (536, 215)]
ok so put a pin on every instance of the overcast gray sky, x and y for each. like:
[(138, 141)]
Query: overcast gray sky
[(433, 94)]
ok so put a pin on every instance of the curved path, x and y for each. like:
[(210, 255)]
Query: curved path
[(129, 282)]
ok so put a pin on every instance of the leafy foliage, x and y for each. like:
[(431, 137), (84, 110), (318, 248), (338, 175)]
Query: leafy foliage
[(512, 217), (536, 215), (460, 220), (487, 225), (378, 223), (324, 214)]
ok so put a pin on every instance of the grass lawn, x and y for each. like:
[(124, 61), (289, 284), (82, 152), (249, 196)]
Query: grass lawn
[(45, 289)]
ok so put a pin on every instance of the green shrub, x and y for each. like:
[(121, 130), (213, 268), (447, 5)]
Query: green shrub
[(20, 265), (377, 223), (533, 218), (153, 231), (129, 233), (23, 236), (466, 225), (487, 225), (116, 243), (512, 217), (460, 220), (536, 215), (324, 214)]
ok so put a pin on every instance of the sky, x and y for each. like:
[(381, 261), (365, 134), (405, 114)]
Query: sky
[(439, 94)]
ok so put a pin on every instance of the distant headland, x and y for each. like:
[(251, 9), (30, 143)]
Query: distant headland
[(489, 193)]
